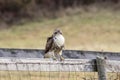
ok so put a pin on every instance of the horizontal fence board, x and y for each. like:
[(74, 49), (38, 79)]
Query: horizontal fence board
[(47, 65), (112, 66), (75, 60), (67, 54), (36, 64)]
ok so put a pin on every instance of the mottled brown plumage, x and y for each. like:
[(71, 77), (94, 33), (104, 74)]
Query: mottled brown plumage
[(54, 46)]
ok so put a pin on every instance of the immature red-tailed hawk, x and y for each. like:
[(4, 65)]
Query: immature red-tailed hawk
[(55, 45)]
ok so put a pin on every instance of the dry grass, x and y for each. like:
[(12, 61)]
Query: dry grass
[(22, 75), (97, 30), (25, 75)]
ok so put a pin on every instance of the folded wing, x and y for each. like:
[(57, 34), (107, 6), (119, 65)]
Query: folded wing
[(49, 44)]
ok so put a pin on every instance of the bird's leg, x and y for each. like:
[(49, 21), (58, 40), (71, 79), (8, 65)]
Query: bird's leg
[(56, 56), (53, 56), (50, 55), (61, 57)]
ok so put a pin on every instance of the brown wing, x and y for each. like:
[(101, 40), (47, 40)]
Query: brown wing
[(49, 44)]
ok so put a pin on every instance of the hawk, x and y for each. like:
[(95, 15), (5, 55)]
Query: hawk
[(55, 45)]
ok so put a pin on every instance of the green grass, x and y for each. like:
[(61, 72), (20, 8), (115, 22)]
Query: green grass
[(99, 30)]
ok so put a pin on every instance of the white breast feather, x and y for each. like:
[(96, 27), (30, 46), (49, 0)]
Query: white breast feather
[(59, 40)]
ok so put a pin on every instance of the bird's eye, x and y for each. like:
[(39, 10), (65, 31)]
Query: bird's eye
[(55, 32)]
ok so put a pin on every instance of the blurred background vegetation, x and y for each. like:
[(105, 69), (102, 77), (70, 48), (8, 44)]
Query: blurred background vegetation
[(86, 24)]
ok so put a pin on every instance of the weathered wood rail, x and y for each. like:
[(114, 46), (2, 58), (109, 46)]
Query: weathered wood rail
[(85, 65), (85, 60), (68, 54), (75, 61)]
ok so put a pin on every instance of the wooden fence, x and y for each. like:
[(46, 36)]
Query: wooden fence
[(102, 64), (99, 65)]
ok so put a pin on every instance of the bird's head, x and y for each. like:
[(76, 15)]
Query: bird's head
[(57, 31)]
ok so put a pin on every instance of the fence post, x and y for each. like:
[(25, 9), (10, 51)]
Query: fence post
[(101, 68)]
